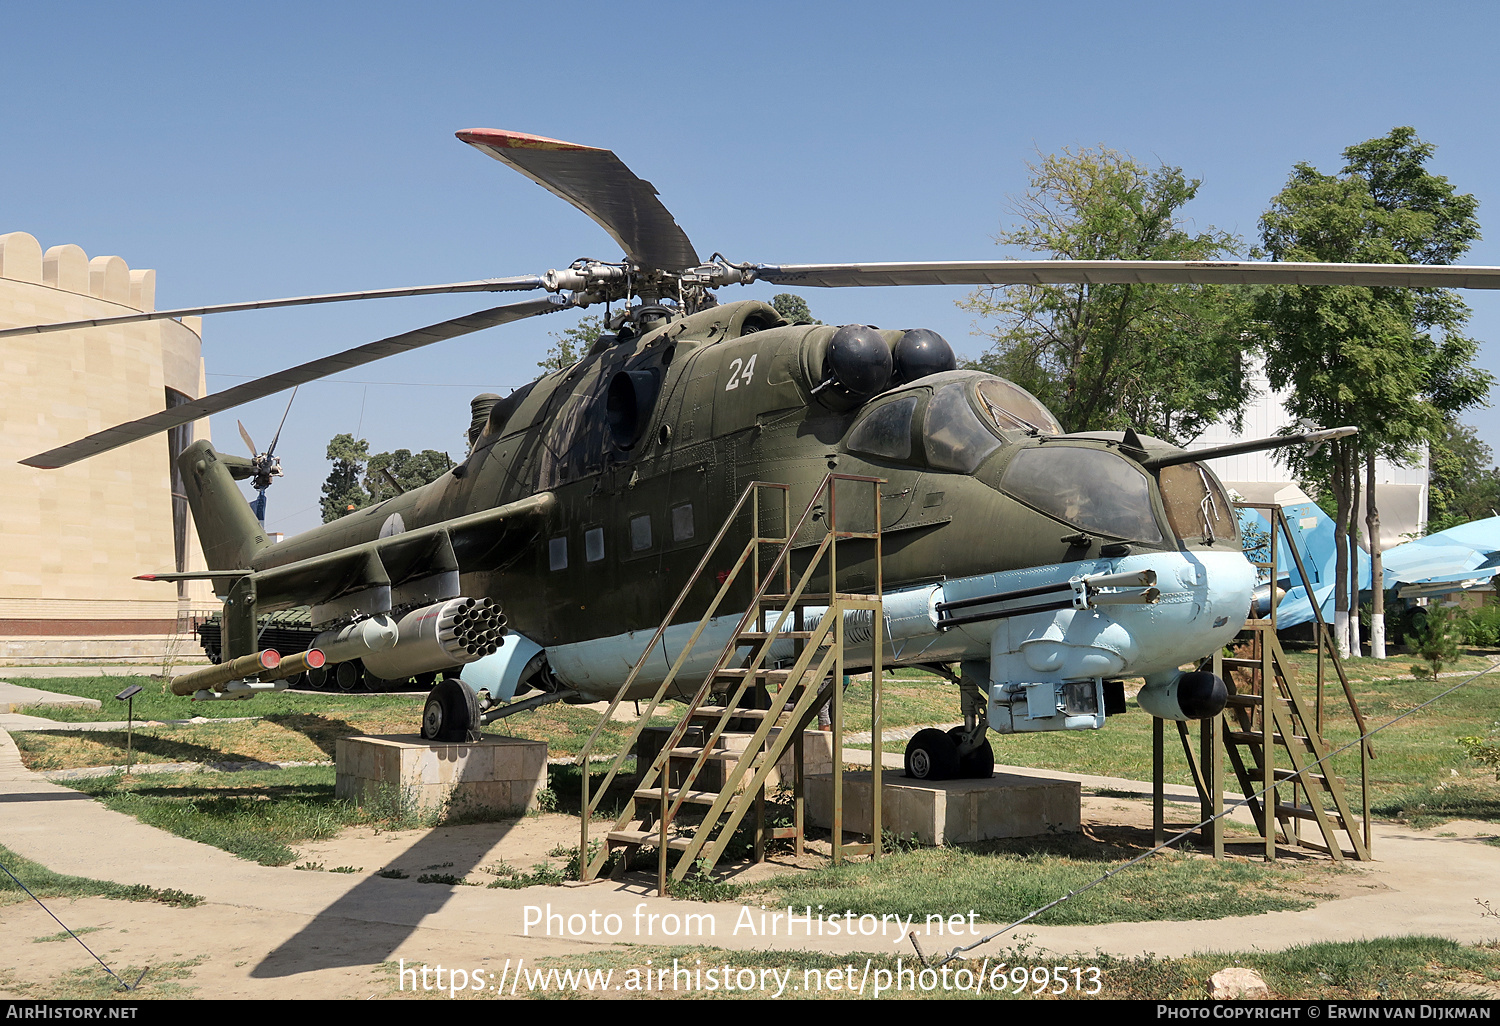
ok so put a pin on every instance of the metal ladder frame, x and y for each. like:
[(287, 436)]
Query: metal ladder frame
[(791, 600)]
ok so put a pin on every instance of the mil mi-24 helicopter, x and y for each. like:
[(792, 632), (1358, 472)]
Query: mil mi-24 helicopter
[(1049, 565)]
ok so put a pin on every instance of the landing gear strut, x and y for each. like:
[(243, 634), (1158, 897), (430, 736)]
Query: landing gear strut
[(962, 753)]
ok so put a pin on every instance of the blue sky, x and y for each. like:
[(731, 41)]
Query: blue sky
[(255, 151)]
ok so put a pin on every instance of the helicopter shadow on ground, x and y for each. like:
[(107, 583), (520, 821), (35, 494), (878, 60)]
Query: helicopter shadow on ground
[(344, 934), (146, 744)]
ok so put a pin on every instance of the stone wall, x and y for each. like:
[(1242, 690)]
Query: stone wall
[(73, 539)]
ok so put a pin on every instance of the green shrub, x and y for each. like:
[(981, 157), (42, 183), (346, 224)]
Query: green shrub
[(1479, 626), (1435, 639)]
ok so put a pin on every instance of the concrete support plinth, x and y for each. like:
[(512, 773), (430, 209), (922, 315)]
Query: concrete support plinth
[(817, 756), (494, 774), (951, 811)]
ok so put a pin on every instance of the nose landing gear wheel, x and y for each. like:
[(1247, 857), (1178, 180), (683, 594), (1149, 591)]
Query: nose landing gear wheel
[(451, 712), (931, 755)]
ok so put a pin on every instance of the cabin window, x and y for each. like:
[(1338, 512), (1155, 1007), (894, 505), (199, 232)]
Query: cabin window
[(682, 522), (640, 533), (557, 553), (593, 544), (886, 430)]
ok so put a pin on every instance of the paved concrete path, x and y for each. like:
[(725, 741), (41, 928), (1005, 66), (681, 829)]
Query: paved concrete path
[(14, 696)]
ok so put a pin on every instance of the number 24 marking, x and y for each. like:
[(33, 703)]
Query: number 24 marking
[(736, 375)]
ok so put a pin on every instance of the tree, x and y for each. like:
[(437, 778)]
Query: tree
[(1166, 359), (573, 343), (408, 470), (341, 492), (356, 480), (1392, 362), (1464, 483), (793, 308)]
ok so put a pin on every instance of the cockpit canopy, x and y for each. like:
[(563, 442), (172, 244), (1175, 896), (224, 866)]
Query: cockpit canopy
[(964, 416)]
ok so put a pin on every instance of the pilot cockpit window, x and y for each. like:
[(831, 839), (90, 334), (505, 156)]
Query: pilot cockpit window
[(886, 430), (955, 438), (1015, 409), (1094, 489)]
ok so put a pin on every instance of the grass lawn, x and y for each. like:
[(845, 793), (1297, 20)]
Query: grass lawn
[(1002, 881), (258, 815), (292, 726), (44, 883)]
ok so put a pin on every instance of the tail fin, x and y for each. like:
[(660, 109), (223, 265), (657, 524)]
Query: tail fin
[(227, 527)]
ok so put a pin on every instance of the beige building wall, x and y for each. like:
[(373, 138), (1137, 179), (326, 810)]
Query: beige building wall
[(73, 539)]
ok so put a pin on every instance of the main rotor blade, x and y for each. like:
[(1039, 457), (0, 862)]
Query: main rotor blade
[(598, 183), (196, 409), (1113, 272), (523, 283)]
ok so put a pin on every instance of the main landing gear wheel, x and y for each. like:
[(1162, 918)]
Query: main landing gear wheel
[(931, 755), (451, 712), (978, 764)]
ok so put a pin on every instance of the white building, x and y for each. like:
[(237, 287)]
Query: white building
[(1401, 492)]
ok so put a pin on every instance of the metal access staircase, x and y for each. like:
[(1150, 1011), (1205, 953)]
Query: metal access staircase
[(1273, 736), (754, 686)]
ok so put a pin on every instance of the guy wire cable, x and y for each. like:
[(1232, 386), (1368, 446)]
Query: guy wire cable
[(1238, 804), (123, 984)]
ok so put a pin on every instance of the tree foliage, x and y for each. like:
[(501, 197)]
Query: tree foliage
[(1392, 361), (572, 344), (793, 307), (342, 491), (410, 471), (1166, 359), (1465, 483), (356, 480)]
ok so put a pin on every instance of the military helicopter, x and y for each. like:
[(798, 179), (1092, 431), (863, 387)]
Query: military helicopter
[(1050, 566)]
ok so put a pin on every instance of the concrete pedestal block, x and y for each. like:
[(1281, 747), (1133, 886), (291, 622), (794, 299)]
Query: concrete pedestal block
[(817, 756), (497, 774), (951, 811)]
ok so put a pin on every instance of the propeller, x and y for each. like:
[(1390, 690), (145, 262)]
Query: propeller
[(264, 465), (661, 262)]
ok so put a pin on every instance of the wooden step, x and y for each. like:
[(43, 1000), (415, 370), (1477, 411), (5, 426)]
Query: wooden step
[(1286, 774), (779, 635), (714, 712), (651, 794), (647, 837), (1244, 664), (718, 754), (1254, 701), (1306, 812), (819, 599), (1246, 738), (764, 675)]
